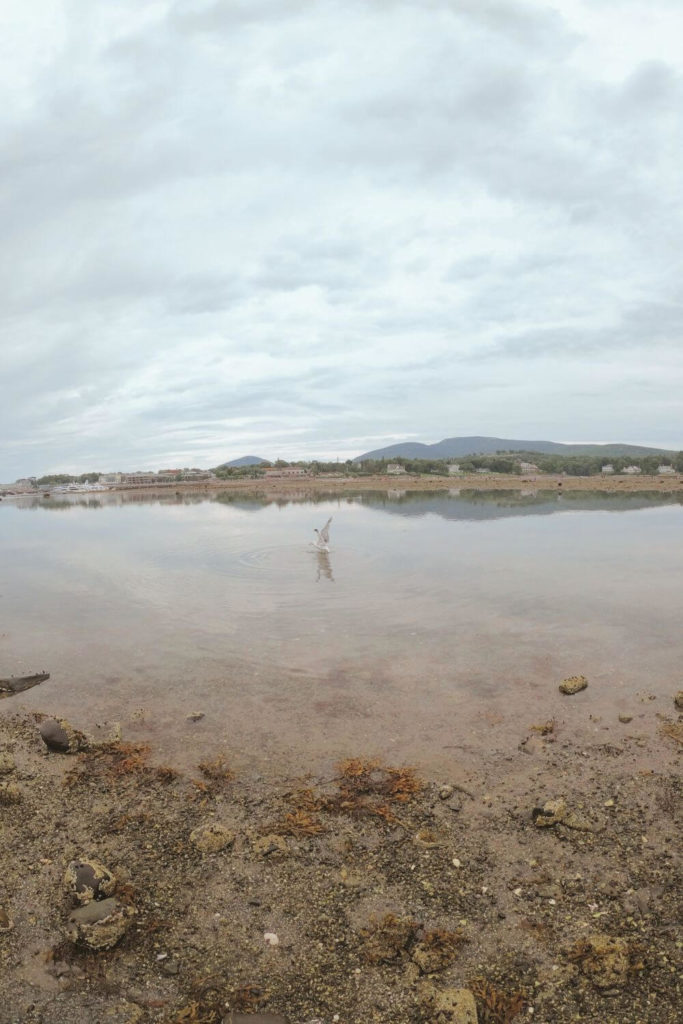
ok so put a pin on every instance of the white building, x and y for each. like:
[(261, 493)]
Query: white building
[(528, 467), (454, 468), (395, 469), (609, 468), (286, 471), (666, 470), (632, 470)]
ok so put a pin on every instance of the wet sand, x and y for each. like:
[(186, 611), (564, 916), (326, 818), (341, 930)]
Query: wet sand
[(541, 874)]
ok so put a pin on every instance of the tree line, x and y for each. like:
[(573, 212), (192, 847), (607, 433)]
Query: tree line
[(501, 462)]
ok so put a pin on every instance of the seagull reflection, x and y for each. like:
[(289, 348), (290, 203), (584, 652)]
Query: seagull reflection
[(324, 566)]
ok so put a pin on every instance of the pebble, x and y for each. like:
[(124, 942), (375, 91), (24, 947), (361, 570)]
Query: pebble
[(625, 719), (573, 684), (195, 716), (446, 792), (271, 939)]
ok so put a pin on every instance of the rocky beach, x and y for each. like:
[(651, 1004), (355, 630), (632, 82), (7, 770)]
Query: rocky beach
[(540, 881)]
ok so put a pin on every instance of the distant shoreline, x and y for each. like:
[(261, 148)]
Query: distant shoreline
[(468, 482)]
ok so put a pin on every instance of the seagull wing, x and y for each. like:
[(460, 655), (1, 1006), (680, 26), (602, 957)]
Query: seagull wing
[(325, 532)]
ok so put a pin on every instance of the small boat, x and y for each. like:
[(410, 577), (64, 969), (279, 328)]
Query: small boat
[(17, 684)]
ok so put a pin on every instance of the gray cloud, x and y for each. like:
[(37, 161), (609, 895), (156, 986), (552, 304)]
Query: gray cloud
[(295, 228)]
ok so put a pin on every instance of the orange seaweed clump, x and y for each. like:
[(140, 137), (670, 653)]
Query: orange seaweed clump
[(216, 770), (301, 823), (116, 761), (494, 1005)]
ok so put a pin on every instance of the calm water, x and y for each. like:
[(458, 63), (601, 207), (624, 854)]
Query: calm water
[(436, 620)]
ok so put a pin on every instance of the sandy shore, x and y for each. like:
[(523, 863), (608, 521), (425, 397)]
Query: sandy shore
[(543, 878)]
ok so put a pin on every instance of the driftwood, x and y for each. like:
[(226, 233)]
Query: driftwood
[(17, 684)]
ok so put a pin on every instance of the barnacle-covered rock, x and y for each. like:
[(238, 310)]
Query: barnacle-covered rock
[(552, 813), (89, 880), (573, 684), (10, 793), (100, 924), (605, 959), (212, 837), (60, 736)]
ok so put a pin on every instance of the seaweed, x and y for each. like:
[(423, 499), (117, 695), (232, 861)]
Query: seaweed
[(495, 1005)]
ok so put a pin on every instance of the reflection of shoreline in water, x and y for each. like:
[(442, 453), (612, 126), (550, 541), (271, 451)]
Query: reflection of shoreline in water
[(324, 566), (449, 503)]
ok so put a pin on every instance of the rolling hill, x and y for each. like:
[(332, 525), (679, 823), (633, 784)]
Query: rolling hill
[(245, 460)]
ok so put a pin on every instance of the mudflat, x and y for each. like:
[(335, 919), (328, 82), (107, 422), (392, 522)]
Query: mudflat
[(535, 880)]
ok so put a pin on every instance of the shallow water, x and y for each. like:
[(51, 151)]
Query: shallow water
[(437, 622)]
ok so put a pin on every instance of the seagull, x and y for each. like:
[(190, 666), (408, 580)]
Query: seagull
[(323, 536)]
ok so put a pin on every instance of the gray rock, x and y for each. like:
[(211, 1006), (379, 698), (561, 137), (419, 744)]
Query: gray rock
[(59, 736), (100, 924)]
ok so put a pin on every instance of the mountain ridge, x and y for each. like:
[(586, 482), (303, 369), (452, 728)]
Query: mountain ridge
[(454, 447)]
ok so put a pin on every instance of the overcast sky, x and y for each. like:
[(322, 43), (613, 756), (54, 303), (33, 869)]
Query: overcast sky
[(309, 228)]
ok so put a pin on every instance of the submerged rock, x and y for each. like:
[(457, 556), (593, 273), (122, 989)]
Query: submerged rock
[(100, 924), (89, 880), (255, 1018), (602, 958), (556, 812), (272, 846), (211, 837), (678, 700), (454, 1006), (10, 793), (573, 684), (552, 813)]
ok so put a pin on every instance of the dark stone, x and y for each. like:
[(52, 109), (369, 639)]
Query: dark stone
[(54, 736)]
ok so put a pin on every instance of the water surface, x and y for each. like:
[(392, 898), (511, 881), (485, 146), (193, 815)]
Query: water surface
[(437, 622)]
